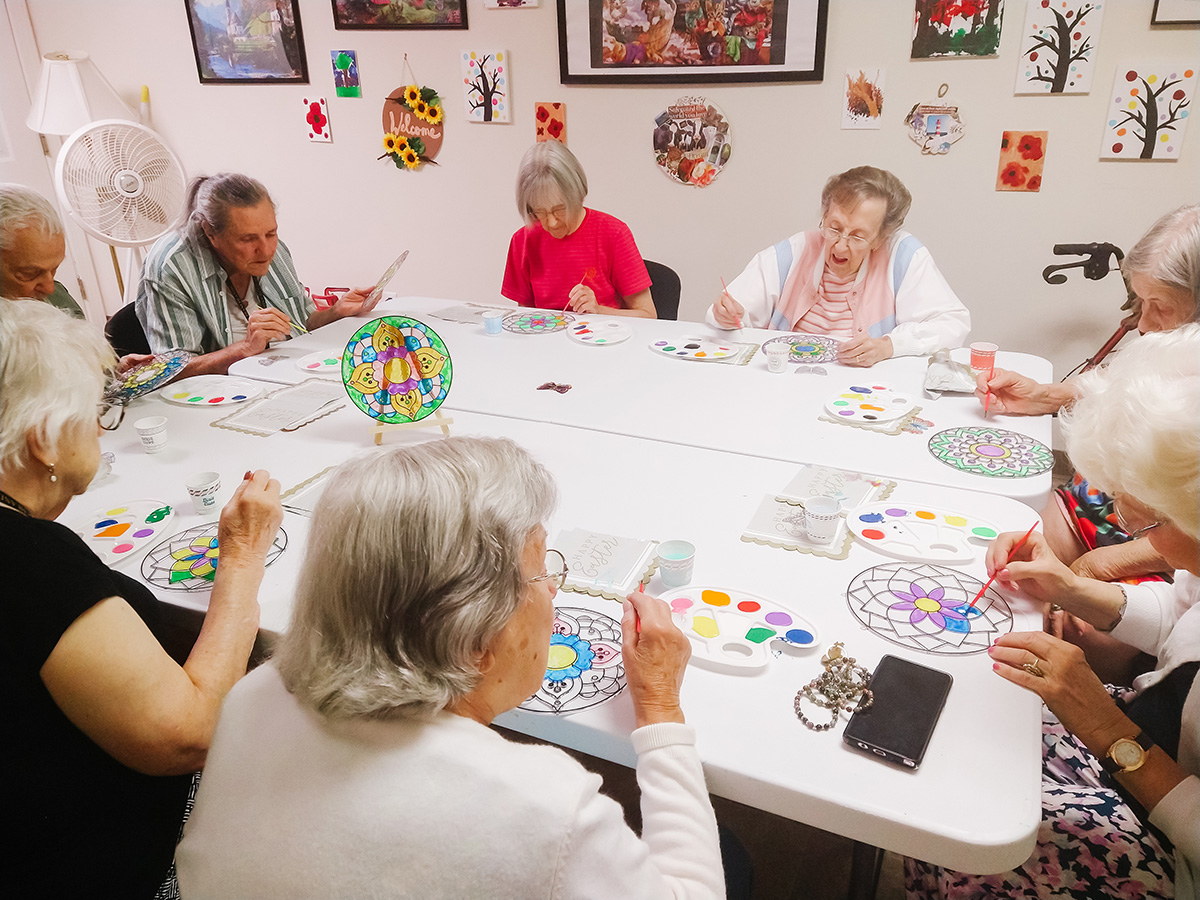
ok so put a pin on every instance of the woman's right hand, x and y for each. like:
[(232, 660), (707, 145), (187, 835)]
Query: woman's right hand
[(1033, 569), (250, 519), (1013, 393), (655, 653), (728, 312)]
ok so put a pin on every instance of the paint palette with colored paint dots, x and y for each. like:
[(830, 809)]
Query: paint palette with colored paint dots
[(118, 532), (323, 362), (599, 332), (874, 405), (730, 629), (920, 533), (693, 348), (211, 390)]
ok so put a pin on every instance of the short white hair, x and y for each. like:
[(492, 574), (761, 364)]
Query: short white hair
[(22, 207), (412, 567), (548, 171), (1135, 428), (1169, 253), (52, 375)]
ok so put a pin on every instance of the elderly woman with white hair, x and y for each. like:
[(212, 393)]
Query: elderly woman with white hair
[(359, 762), (104, 728), (32, 247), (568, 256), (1121, 792), (859, 277)]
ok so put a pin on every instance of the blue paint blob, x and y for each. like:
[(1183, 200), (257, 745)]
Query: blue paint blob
[(860, 390), (411, 343), (239, 396), (369, 354), (104, 523), (871, 517), (958, 626), (799, 636)]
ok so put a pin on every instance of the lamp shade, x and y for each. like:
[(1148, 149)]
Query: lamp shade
[(70, 93)]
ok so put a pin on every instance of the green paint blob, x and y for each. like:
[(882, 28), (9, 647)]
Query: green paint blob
[(758, 635), (667, 349), (983, 532), (194, 399), (840, 403)]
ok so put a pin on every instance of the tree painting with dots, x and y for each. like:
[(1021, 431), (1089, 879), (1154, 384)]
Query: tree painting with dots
[(1058, 48), (485, 85), (1149, 111)]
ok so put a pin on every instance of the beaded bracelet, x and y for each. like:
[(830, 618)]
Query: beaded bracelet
[(838, 688)]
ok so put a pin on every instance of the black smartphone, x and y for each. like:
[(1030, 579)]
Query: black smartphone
[(908, 700)]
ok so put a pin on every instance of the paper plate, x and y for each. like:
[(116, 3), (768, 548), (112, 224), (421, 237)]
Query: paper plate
[(211, 390), (322, 362), (693, 348), (872, 404), (117, 533), (599, 332), (147, 377)]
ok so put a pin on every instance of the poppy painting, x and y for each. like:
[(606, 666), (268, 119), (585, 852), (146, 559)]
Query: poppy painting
[(1022, 156)]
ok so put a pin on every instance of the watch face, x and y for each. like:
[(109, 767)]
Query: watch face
[(1127, 753)]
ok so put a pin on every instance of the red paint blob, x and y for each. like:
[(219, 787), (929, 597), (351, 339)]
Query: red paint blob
[(215, 399), (1117, 148), (1131, 76), (1033, 56), (873, 534), (749, 606), (1178, 95)]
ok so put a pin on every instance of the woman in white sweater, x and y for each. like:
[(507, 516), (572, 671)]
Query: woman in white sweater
[(1121, 792), (358, 763)]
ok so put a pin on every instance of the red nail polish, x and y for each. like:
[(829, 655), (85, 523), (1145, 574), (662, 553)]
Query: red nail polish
[(248, 475)]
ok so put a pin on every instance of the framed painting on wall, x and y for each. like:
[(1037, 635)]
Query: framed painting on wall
[(399, 14), (1175, 12), (247, 41), (691, 41)]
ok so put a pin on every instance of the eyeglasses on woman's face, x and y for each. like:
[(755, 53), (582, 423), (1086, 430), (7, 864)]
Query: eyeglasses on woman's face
[(1129, 529), (857, 241), (110, 414), (554, 571)]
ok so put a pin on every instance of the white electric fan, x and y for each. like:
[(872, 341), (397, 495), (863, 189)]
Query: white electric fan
[(123, 185)]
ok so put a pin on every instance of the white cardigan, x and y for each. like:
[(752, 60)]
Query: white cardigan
[(928, 316), (1164, 621), (293, 805)]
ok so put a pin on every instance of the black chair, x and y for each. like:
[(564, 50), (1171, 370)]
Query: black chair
[(125, 333), (664, 289)]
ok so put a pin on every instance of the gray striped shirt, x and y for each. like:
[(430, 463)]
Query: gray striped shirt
[(181, 299)]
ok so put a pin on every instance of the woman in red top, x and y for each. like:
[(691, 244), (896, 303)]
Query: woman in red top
[(568, 256)]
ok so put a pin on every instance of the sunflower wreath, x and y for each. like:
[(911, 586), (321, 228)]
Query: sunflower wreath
[(408, 151)]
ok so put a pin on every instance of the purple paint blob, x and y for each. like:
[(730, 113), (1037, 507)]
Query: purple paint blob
[(896, 512), (845, 412), (777, 618), (989, 450), (144, 532)]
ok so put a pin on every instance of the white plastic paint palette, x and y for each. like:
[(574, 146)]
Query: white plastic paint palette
[(730, 629), (323, 362), (875, 404), (693, 348), (921, 533), (118, 532), (211, 390), (599, 332)]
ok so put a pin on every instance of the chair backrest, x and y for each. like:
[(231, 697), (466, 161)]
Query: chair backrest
[(125, 333), (664, 290)]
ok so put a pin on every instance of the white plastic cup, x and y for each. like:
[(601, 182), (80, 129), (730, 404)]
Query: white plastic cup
[(153, 432), (983, 356), (777, 358), (493, 322), (203, 488), (676, 562), (822, 516)]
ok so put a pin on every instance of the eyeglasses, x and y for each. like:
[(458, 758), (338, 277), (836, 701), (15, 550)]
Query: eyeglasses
[(556, 570), (111, 415), (1132, 532), (559, 212), (854, 240)]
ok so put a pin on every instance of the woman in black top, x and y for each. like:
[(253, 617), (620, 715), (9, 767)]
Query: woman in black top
[(103, 727)]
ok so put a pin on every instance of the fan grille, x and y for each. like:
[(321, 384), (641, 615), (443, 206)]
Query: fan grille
[(121, 183)]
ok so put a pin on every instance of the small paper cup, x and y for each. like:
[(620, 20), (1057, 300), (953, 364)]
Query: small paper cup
[(493, 322), (203, 487), (777, 358), (676, 562), (153, 432), (983, 356), (822, 516)]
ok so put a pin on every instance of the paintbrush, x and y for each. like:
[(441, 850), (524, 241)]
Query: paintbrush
[(1011, 553), (987, 397), (725, 290)]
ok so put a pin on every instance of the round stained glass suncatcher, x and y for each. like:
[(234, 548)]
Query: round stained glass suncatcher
[(928, 608), (584, 667), (188, 560), (807, 348), (147, 377), (537, 322), (993, 452), (397, 369)]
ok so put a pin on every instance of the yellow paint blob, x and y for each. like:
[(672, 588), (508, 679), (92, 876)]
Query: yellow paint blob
[(715, 598), (117, 511), (927, 604), (1165, 138), (705, 627), (956, 520), (1153, 79), (561, 656)]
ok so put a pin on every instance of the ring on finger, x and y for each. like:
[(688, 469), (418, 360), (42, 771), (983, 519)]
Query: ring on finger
[(1034, 669)]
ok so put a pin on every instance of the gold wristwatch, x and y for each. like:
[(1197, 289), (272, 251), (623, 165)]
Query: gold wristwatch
[(1127, 754)]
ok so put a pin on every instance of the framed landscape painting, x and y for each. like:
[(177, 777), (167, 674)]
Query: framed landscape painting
[(691, 41), (399, 13), (247, 41)]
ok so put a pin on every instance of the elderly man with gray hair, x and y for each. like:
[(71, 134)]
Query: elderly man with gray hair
[(32, 248), (222, 285)]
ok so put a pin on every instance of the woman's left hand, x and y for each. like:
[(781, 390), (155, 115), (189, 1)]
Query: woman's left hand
[(1066, 682), (582, 299), (354, 303), (864, 351)]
